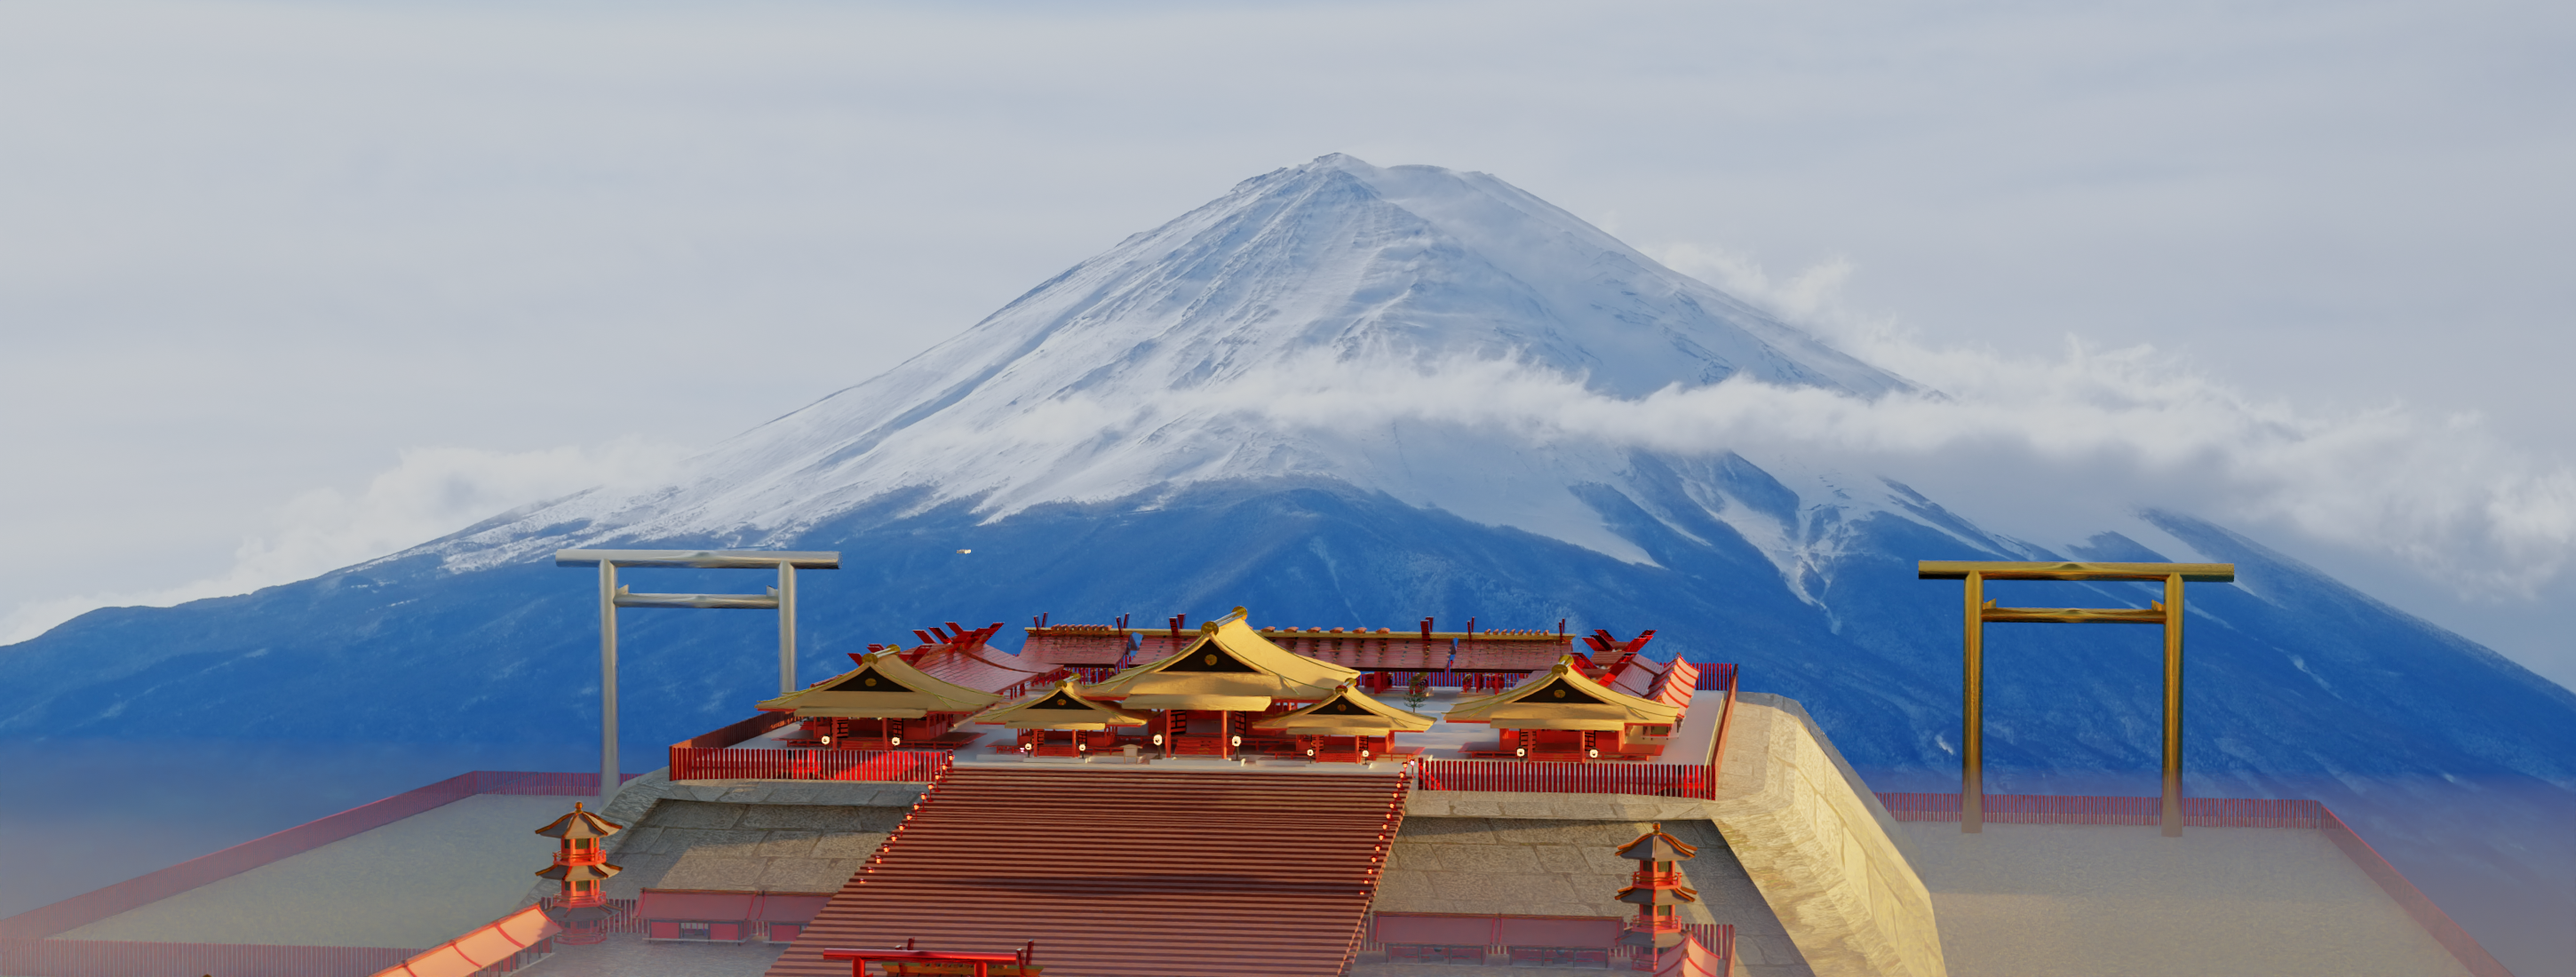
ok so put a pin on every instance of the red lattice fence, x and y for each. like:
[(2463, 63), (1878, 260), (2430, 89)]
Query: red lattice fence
[(109, 958), (908, 766), (2206, 812), (1652, 779)]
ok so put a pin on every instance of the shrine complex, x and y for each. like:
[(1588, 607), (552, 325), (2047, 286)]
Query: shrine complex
[(1246, 797)]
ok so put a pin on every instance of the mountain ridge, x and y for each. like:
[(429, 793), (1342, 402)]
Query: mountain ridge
[(1091, 473)]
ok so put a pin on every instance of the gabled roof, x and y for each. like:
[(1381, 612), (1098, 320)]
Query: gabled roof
[(975, 666), (1350, 712), (1670, 683), (1062, 707), (884, 686), (1230, 666), (1563, 698)]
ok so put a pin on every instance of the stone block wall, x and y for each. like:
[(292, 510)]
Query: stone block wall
[(1556, 855), (1828, 859), (745, 835)]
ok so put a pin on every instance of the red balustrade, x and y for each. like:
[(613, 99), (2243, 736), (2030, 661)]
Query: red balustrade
[(2208, 812), (113, 958), (908, 766), (90, 907), (1652, 779)]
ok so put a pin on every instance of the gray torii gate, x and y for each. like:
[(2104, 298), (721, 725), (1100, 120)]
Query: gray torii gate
[(611, 597)]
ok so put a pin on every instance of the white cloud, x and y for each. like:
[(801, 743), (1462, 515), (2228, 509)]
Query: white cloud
[(2444, 492), (2047, 447), (429, 493)]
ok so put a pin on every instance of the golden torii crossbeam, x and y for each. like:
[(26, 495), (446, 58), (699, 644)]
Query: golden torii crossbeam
[(2166, 612)]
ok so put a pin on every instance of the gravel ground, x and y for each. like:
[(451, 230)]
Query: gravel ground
[(412, 884), (2037, 900)]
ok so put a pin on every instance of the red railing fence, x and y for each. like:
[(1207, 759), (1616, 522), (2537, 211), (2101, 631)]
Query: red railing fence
[(1652, 779), (90, 907), (824, 763), (1715, 677), (110, 958), (2207, 812), (2418, 906)]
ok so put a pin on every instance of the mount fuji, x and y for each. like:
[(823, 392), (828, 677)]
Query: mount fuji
[(1345, 394)]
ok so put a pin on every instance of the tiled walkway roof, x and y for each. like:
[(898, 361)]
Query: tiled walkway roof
[(1129, 874)]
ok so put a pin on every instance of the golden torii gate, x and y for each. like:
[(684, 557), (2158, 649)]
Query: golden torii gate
[(2167, 612)]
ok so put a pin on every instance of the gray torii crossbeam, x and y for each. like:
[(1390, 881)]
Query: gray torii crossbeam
[(612, 597)]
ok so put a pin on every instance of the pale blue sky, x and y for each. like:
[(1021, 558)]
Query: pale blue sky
[(251, 254)]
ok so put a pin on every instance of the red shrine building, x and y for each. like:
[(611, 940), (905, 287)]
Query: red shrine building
[(1226, 690)]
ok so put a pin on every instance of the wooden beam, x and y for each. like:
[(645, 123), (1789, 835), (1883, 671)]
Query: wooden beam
[(721, 602), (702, 559), (1972, 739), (2172, 608), (2005, 570), (2075, 615)]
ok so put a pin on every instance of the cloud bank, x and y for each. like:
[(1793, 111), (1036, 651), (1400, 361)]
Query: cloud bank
[(2052, 448), (429, 493)]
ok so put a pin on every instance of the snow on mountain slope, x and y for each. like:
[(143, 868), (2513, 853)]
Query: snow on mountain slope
[(1135, 370), (1351, 395)]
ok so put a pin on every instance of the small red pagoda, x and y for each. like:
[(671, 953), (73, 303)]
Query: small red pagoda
[(581, 864), (1656, 890)]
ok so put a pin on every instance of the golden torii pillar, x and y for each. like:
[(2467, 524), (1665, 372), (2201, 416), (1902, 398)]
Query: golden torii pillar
[(2167, 612)]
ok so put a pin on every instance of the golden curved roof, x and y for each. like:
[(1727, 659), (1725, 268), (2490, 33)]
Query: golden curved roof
[(1350, 712), (1230, 666), (580, 824), (1562, 699), (1062, 707), (884, 686)]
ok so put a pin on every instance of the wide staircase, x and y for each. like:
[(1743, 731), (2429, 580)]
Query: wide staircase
[(1124, 873)]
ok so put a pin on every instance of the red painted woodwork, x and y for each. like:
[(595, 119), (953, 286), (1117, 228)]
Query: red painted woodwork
[(909, 961), (740, 763), (1654, 779)]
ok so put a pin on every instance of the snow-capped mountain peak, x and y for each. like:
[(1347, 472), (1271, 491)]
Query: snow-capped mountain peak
[(1134, 369)]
